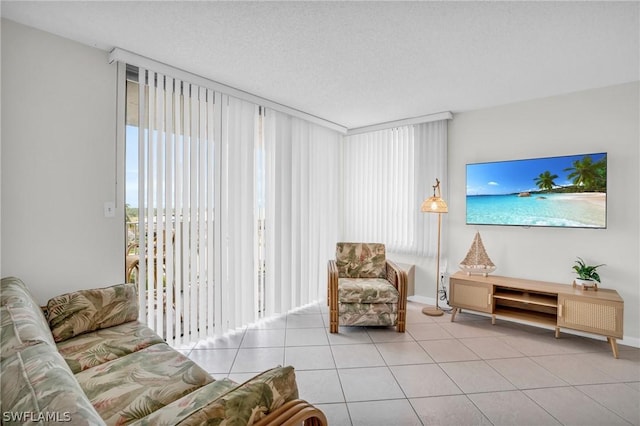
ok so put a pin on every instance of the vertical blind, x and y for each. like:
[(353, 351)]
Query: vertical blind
[(177, 128), (430, 162), (239, 220), (197, 278), (386, 176), (238, 209), (240, 206), (301, 209)]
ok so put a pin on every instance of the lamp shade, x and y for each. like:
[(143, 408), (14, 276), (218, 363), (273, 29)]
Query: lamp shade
[(434, 205)]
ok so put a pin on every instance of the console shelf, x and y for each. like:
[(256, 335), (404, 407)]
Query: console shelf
[(524, 315), (541, 299), (550, 304)]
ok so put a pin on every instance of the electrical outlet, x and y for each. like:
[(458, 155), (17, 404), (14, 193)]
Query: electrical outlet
[(109, 209)]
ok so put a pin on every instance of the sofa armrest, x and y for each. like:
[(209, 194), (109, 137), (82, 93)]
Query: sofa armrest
[(294, 412), (181, 409), (37, 387), (226, 401)]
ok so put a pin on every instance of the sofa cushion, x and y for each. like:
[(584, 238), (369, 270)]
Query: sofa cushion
[(37, 387), (361, 260), (374, 314), (132, 387), (97, 347), (249, 402), (82, 311), (366, 290)]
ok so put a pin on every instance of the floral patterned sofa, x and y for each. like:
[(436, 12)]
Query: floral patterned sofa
[(86, 360)]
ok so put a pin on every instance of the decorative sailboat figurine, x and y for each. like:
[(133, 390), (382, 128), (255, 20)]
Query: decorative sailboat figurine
[(477, 260)]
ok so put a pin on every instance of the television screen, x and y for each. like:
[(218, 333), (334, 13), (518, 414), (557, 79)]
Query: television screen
[(566, 191)]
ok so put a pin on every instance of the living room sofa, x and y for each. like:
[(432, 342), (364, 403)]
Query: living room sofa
[(84, 359)]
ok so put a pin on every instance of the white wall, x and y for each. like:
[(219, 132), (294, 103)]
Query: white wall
[(597, 120), (58, 164)]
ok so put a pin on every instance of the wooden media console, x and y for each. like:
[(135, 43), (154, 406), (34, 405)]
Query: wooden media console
[(557, 305)]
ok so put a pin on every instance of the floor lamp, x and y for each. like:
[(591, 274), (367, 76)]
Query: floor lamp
[(437, 205)]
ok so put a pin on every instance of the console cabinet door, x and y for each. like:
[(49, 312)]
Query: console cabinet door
[(602, 317), (471, 295)]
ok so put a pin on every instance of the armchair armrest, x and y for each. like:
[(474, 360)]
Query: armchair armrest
[(332, 295), (398, 278)]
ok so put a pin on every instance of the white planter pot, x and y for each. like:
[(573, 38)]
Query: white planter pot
[(586, 283)]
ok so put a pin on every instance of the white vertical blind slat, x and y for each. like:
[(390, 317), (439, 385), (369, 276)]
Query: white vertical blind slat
[(271, 210), (193, 210), (160, 205), (169, 209), (179, 212), (202, 210), (211, 191), (252, 153), (186, 211), (149, 279), (142, 182), (217, 218), (224, 295)]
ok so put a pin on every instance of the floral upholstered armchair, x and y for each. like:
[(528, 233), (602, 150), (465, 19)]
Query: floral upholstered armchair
[(364, 288)]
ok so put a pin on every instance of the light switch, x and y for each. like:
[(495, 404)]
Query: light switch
[(109, 209)]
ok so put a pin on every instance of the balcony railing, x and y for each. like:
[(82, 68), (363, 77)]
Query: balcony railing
[(133, 256)]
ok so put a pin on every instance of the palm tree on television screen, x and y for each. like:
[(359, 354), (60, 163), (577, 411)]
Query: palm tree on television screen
[(545, 181), (587, 175)]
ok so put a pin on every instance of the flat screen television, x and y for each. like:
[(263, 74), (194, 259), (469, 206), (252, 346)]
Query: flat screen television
[(564, 191)]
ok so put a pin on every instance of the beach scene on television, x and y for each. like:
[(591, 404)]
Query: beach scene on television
[(564, 191)]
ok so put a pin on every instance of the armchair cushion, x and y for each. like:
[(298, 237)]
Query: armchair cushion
[(82, 311), (366, 290), (372, 314), (361, 260)]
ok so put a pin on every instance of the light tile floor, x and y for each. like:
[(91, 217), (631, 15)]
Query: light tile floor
[(437, 373)]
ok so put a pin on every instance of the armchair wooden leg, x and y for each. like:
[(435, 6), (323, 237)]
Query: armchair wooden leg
[(401, 321), (402, 318), (333, 320)]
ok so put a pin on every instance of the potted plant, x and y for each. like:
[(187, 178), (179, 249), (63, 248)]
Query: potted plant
[(587, 274)]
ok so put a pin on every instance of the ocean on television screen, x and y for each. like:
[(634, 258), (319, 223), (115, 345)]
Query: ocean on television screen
[(563, 210)]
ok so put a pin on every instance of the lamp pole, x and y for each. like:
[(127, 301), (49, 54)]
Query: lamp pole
[(436, 205)]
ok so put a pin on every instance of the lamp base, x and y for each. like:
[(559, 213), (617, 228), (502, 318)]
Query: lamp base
[(432, 311)]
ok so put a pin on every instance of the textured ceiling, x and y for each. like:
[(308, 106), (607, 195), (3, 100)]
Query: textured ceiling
[(361, 63)]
